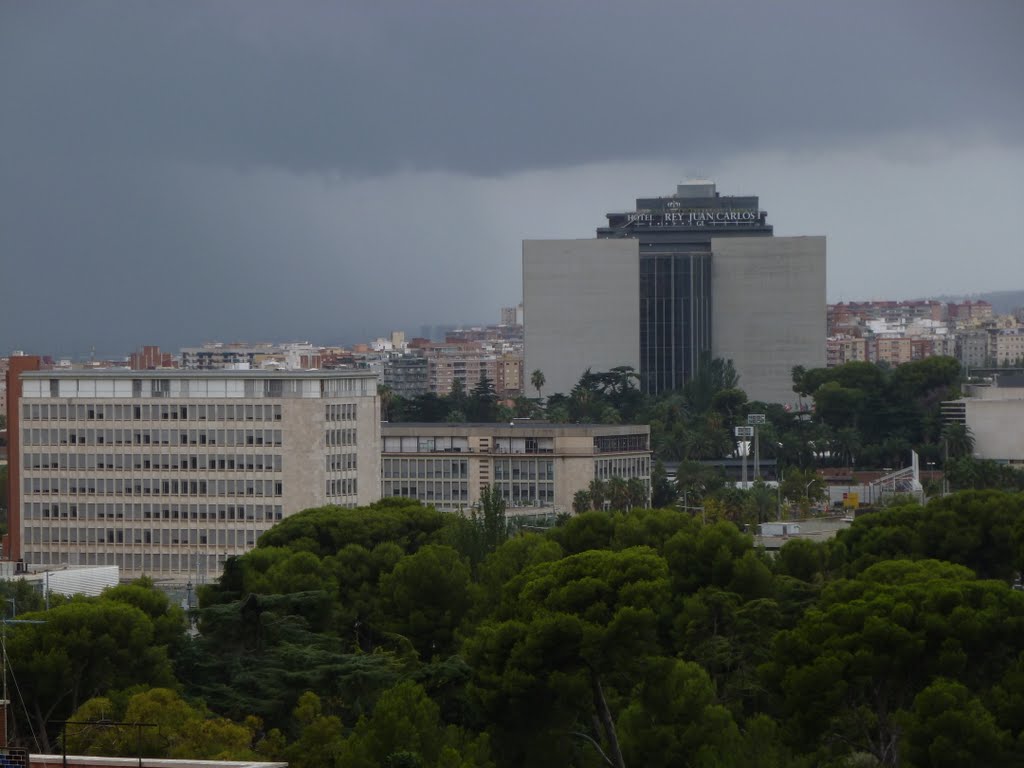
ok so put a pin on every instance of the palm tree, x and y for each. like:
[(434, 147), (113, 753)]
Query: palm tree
[(580, 501), (618, 494), (959, 440), (387, 401), (537, 380)]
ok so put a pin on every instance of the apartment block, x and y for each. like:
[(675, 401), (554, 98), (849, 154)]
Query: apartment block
[(405, 375), (1008, 346), (150, 357)]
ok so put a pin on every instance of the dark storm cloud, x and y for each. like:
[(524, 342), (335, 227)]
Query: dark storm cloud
[(485, 88), (172, 172)]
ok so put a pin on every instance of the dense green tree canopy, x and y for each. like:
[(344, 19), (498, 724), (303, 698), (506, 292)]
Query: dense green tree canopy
[(81, 650), (396, 635)]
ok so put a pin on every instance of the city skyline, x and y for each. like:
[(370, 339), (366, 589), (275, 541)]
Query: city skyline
[(188, 172)]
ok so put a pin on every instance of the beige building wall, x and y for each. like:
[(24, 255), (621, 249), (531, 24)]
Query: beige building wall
[(581, 304), (171, 485), (574, 466), (998, 425), (768, 310), (418, 462)]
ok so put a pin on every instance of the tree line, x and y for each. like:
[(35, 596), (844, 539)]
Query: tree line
[(858, 414), (397, 635)]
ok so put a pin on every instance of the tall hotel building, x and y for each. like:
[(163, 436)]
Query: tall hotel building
[(679, 278), (167, 473)]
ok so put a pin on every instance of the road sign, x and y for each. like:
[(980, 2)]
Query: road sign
[(755, 418), (744, 431)]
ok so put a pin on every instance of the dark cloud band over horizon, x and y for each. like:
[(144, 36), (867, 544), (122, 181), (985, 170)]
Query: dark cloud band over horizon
[(181, 162)]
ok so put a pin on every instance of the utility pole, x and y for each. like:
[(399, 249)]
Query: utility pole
[(6, 702)]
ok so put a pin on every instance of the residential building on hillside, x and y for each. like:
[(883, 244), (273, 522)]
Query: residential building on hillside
[(538, 467), (969, 312), (215, 356), (1008, 346), (467, 362), (512, 315), (972, 348), (150, 357), (508, 375), (844, 316), (406, 375), (167, 473)]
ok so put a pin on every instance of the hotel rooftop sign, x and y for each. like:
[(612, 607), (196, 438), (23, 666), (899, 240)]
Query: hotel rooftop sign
[(689, 217)]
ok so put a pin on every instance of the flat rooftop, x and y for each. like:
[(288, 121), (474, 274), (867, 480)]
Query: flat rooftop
[(190, 373), (504, 427)]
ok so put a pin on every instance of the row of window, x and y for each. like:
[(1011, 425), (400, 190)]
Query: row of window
[(423, 444), (623, 466), (341, 462), (341, 437), (341, 412), (526, 494), (220, 537), (443, 494), (523, 445), (214, 462), (621, 443), (121, 511), (346, 386), (425, 468), (345, 486), (38, 437), (196, 565), (119, 486), (115, 412), (524, 469)]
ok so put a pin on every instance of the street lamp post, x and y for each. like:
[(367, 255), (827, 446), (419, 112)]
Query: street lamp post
[(755, 420)]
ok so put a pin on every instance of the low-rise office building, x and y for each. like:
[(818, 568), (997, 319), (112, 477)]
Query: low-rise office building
[(167, 473), (538, 467), (994, 414)]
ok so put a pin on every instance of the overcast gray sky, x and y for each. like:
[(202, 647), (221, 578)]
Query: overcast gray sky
[(177, 172)]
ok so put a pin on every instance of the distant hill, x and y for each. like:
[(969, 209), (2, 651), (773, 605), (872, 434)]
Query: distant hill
[(1003, 302)]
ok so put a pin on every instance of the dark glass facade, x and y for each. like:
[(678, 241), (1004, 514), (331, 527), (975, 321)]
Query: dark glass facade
[(675, 317), (675, 273)]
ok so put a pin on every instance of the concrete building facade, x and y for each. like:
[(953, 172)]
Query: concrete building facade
[(538, 467), (167, 473), (581, 304), (769, 310)]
